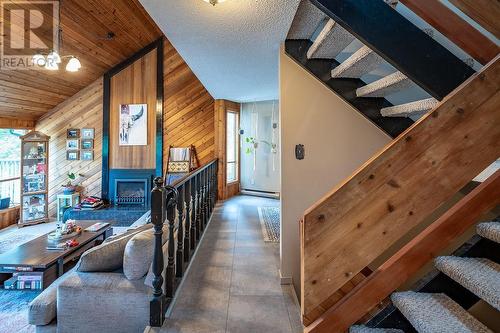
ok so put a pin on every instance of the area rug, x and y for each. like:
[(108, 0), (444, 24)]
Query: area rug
[(13, 303), (14, 311), (270, 223)]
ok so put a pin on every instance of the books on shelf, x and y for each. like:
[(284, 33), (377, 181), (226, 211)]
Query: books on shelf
[(24, 281)]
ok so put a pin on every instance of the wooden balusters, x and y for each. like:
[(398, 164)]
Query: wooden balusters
[(199, 194), (158, 198), (179, 272), (187, 225), (186, 206), (193, 213), (172, 196)]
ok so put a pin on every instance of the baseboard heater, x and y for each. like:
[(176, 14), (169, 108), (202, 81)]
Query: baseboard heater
[(256, 193)]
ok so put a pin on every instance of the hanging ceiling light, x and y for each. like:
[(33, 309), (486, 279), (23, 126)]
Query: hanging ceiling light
[(214, 2), (51, 65), (54, 57), (73, 65), (39, 60)]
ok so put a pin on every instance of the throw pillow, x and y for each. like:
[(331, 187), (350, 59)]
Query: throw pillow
[(138, 254), (106, 257)]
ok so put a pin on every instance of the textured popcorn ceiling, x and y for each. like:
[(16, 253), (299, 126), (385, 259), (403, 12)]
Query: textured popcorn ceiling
[(233, 47)]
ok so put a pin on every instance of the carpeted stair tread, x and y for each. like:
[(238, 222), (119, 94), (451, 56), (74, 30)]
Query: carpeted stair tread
[(358, 64), (366, 329), (306, 21), (480, 276), (490, 230), (390, 84), (330, 42), (436, 313), (417, 108)]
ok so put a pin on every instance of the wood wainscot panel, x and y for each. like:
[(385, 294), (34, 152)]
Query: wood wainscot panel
[(136, 84)]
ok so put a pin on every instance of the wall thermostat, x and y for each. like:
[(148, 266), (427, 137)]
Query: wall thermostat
[(300, 152)]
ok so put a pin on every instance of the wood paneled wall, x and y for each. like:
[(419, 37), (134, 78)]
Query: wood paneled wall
[(84, 110), (188, 117), (136, 84), (188, 120)]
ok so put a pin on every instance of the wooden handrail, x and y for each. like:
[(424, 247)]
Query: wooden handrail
[(410, 259), (179, 182), (484, 12), (455, 29), (398, 188)]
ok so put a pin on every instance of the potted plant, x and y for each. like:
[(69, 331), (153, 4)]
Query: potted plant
[(71, 186)]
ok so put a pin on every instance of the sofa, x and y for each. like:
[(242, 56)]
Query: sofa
[(108, 290)]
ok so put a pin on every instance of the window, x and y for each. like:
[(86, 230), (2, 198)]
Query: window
[(10, 164), (232, 146)]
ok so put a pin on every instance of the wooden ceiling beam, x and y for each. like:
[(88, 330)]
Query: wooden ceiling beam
[(16, 123)]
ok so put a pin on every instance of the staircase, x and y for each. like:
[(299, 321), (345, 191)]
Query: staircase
[(319, 43), (443, 311), (367, 53)]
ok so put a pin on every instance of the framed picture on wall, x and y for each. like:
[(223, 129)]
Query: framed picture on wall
[(87, 144), (87, 155), (133, 130), (72, 155), (88, 133), (73, 133), (72, 144)]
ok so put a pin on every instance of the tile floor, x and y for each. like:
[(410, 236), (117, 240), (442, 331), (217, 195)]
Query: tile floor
[(233, 283)]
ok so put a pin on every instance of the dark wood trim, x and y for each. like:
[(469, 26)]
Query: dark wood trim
[(106, 104), (417, 55), (454, 28), (158, 45), (411, 258), (159, 107)]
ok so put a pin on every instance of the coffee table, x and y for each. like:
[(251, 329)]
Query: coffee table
[(33, 259)]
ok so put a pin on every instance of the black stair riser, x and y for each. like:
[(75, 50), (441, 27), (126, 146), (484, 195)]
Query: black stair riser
[(346, 88), (400, 42)]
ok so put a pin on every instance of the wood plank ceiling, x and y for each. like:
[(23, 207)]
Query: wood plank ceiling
[(85, 24)]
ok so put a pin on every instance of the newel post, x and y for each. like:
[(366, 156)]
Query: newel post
[(157, 303), (172, 196)]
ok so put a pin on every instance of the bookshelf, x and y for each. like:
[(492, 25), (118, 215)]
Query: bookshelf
[(34, 178)]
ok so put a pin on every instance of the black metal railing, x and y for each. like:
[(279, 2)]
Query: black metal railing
[(186, 207)]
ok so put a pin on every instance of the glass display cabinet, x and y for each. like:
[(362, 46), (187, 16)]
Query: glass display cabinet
[(34, 178)]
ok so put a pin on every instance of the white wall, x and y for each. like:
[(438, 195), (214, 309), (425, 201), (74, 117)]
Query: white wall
[(338, 140), (260, 168)]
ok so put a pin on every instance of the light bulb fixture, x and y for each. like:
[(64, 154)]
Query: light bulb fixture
[(214, 2), (51, 65), (73, 65), (39, 60), (54, 57)]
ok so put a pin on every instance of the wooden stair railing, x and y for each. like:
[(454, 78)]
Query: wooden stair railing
[(397, 189), (455, 28), (186, 207), (410, 259)]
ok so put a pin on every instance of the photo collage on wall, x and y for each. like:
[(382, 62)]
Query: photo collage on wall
[(80, 144)]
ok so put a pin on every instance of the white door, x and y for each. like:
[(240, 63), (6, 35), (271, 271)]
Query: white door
[(260, 161)]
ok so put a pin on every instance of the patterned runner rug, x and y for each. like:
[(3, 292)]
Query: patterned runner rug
[(270, 223)]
